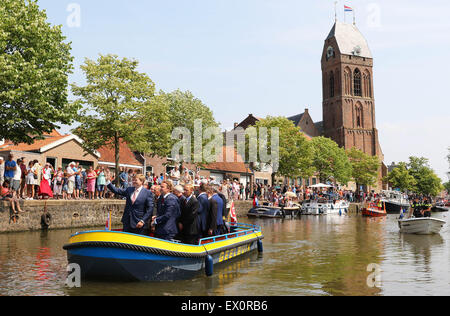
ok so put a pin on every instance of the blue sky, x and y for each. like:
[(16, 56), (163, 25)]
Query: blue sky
[(263, 57)]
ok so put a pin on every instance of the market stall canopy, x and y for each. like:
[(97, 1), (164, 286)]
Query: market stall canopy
[(321, 185), (291, 194)]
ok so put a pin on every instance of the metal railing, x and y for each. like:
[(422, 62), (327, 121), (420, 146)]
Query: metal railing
[(241, 229)]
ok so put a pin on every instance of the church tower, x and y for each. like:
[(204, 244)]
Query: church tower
[(348, 93)]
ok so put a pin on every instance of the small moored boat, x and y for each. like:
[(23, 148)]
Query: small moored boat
[(374, 210), (324, 206), (395, 201), (273, 211), (113, 255), (442, 206)]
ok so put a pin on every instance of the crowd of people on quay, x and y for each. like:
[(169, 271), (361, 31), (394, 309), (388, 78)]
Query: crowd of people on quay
[(29, 180)]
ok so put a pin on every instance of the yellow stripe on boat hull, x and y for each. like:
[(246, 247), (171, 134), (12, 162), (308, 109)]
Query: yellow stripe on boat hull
[(143, 241)]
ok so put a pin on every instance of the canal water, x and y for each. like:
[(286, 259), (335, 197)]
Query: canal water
[(329, 255)]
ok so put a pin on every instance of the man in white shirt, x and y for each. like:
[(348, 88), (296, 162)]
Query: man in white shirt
[(175, 176), (15, 185), (70, 179)]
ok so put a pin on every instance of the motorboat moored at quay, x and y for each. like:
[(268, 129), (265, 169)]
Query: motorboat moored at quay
[(267, 211), (374, 210), (115, 255), (324, 206), (442, 206), (395, 201)]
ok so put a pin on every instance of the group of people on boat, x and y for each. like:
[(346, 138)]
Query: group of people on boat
[(180, 214)]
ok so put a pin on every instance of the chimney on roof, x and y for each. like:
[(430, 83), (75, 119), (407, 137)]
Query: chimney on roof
[(236, 125)]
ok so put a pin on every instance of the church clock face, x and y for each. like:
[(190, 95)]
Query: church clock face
[(330, 52)]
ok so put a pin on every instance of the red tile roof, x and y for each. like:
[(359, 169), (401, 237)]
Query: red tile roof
[(237, 166), (36, 146), (126, 155)]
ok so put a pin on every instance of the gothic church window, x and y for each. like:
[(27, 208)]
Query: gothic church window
[(347, 81), (331, 84), (359, 116), (357, 83)]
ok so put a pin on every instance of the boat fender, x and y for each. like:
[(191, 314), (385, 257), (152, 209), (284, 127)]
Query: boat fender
[(45, 220), (209, 266), (260, 246)]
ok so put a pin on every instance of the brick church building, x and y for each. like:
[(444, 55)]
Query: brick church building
[(348, 105), (348, 93)]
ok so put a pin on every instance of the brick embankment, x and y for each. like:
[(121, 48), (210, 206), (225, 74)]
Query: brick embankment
[(242, 207), (64, 214)]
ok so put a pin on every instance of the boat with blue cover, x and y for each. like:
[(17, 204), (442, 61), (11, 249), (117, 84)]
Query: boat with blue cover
[(266, 211), (119, 256)]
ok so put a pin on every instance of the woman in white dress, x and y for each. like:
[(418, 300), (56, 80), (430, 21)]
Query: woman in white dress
[(31, 182)]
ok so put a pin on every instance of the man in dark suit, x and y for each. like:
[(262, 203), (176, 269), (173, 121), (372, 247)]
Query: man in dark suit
[(203, 211), (225, 211), (216, 224), (212, 214), (187, 222), (138, 208), (168, 211)]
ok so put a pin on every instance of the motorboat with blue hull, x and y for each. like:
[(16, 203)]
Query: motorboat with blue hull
[(274, 212), (118, 256)]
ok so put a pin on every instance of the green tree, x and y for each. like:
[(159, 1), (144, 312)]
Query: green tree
[(330, 161), (118, 104), (183, 110), (294, 150), (447, 186), (364, 167), (34, 64), (427, 182), (400, 178)]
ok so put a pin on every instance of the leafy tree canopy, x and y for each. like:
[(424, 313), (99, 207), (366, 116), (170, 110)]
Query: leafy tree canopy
[(330, 161), (34, 63)]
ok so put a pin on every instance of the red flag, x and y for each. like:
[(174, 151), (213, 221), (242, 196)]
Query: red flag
[(233, 213), (108, 222)]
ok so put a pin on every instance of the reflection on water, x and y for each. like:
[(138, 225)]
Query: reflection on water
[(326, 255)]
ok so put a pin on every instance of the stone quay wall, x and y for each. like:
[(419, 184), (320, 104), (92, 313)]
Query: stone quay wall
[(63, 214), (80, 214), (72, 214)]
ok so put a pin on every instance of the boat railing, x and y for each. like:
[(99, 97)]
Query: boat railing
[(240, 229)]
